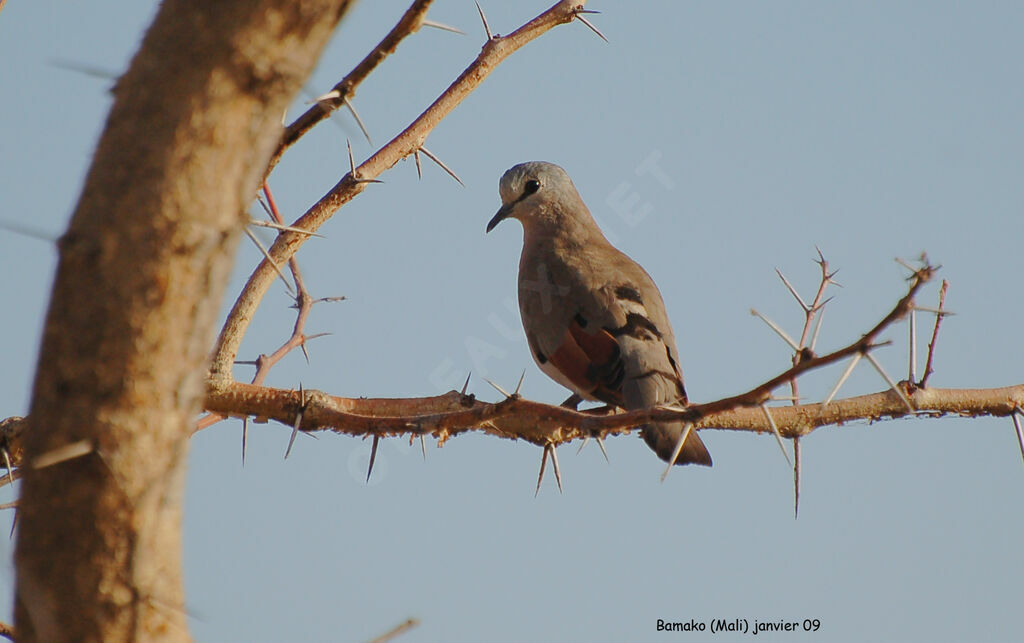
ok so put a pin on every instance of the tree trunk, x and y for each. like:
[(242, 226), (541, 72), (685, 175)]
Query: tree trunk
[(142, 269)]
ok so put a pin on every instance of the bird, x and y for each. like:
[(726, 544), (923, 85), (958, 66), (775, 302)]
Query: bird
[(595, 321)]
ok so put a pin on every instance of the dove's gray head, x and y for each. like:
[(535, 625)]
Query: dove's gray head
[(541, 195)]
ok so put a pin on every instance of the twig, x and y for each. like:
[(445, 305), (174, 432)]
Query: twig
[(935, 333), (912, 369), (399, 629), (802, 352)]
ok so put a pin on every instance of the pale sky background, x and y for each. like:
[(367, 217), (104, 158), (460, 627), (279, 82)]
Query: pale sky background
[(870, 129)]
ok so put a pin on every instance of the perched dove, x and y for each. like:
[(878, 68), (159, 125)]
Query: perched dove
[(594, 319)]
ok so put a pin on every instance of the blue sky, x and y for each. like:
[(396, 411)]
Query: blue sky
[(871, 130)]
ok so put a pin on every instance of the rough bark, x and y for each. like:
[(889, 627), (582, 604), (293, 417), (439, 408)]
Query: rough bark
[(141, 273)]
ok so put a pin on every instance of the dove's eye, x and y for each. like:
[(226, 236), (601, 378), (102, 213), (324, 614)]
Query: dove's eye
[(531, 186)]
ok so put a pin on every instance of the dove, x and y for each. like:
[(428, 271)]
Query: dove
[(595, 321)]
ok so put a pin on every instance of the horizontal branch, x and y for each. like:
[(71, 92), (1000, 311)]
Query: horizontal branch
[(452, 413)]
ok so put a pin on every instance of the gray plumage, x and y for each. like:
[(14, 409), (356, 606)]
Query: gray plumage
[(594, 319)]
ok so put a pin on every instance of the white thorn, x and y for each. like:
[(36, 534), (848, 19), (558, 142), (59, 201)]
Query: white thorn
[(490, 36), (842, 379), (498, 388), (359, 121), (586, 439), (592, 27), (281, 226), (796, 477), (270, 260), (442, 26), (890, 382), (793, 291), (675, 452), (60, 454), (373, 457), (331, 95), (781, 333), (778, 436), (352, 166), (1016, 425), (295, 432), (540, 476), (937, 311), (7, 463), (784, 398), (245, 435), (905, 265), (817, 327), (554, 465), (443, 166)]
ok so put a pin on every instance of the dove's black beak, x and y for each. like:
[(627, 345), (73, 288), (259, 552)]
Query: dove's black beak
[(502, 214)]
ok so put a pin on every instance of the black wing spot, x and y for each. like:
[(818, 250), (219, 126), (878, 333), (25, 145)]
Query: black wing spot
[(531, 340), (629, 293), (636, 326), (679, 380)]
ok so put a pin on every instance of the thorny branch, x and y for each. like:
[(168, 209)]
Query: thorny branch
[(298, 339), (812, 312), (515, 418), (345, 89), (452, 413), (455, 412), (542, 424), (409, 141)]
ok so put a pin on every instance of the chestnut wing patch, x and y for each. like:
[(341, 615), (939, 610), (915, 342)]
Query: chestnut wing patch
[(591, 361), (606, 369)]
